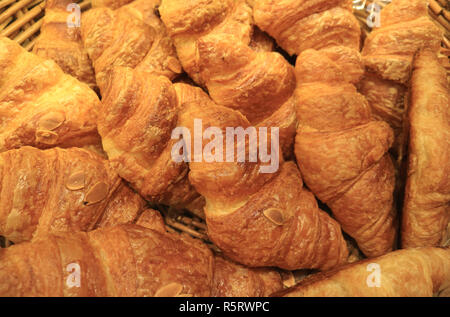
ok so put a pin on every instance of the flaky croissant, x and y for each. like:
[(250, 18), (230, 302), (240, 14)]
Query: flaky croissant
[(60, 190), (188, 21), (131, 36), (125, 260), (260, 219), (40, 105), (404, 273), (387, 55), (341, 152), (62, 44), (315, 24), (139, 112), (426, 210)]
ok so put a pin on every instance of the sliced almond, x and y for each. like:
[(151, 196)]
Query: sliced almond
[(51, 121), (288, 279), (169, 290), (97, 193), (275, 215), (46, 137), (174, 65), (76, 181)]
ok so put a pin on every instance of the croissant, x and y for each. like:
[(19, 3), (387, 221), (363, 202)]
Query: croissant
[(188, 21), (125, 260), (139, 112), (341, 151), (403, 273), (258, 84), (62, 44), (315, 24), (255, 218), (40, 105), (131, 36), (426, 210), (58, 189), (387, 55)]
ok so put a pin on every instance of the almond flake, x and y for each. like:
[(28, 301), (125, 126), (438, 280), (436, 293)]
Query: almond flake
[(174, 65), (169, 290), (46, 137), (275, 215), (97, 193), (51, 121), (76, 181)]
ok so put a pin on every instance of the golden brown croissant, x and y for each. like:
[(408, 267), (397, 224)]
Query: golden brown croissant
[(341, 152), (139, 112), (61, 43), (300, 25), (40, 105), (188, 21), (125, 260), (426, 210), (387, 55), (403, 273), (404, 28), (131, 36), (260, 219), (60, 190)]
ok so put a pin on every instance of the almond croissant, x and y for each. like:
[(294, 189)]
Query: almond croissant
[(61, 43), (131, 36), (341, 152), (426, 210), (403, 273), (60, 190), (255, 218), (139, 112), (40, 105), (126, 260)]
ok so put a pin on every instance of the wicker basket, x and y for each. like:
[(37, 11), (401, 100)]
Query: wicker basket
[(21, 20)]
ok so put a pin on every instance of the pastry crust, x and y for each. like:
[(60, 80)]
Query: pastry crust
[(112, 4), (62, 44), (341, 152), (405, 28), (426, 211), (40, 105), (300, 25), (403, 273), (139, 113), (131, 36), (60, 190)]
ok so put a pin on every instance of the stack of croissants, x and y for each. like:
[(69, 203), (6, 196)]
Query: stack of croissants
[(86, 122)]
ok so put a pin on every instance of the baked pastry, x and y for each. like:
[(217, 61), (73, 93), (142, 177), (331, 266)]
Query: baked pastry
[(131, 36), (126, 260), (404, 273), (256, 218), (139, 112), (188, 21), (315, 24), (341, 151), (426, 210), (40, 105), (387, 55), (60, 190), (62, 44)]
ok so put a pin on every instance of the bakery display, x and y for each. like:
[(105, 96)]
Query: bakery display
[(224, 148)]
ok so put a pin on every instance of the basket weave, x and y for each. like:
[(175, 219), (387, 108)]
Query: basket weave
[(21, 21)]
